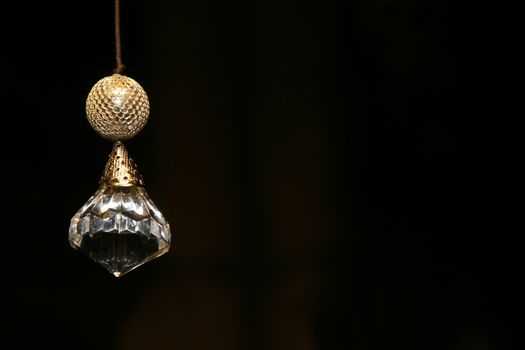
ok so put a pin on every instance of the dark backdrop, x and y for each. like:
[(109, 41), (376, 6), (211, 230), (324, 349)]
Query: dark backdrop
[(338, 175)]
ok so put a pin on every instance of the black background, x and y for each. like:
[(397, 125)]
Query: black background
[(338, 175)]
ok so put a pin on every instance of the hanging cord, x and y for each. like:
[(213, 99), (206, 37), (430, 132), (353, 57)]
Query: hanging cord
[(118, 47)]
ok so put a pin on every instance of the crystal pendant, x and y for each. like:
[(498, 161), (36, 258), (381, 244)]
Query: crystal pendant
[(120, 227)]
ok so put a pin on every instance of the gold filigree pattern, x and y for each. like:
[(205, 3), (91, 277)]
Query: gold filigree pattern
[(117, 107)]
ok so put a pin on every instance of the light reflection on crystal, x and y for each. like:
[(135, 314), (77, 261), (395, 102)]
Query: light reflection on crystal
[(120, 228)]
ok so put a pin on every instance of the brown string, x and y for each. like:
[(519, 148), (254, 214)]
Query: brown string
[(118, 47)]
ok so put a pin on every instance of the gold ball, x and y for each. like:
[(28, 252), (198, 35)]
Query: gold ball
[(117, 107)]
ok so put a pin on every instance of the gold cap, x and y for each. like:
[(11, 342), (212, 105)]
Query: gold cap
[(121, 169)]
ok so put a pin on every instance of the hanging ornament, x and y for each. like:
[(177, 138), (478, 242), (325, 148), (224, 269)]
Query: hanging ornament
[(119, 227)]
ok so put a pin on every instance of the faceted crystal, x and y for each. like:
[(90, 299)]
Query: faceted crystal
[(120, 228)]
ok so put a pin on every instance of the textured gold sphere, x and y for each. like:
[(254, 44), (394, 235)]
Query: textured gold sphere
[(117, 107)]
